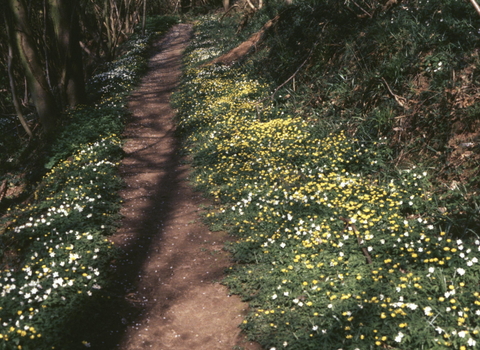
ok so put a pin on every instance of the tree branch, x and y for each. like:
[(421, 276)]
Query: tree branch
[(400, 100), (475, 4), (3, 189)]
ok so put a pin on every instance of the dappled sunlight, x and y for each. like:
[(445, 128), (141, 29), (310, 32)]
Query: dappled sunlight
[(333, 250)]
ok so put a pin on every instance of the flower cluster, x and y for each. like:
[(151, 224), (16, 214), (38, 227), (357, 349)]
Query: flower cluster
[(120, 75), (56, 254), (332, 255), (61, 241)]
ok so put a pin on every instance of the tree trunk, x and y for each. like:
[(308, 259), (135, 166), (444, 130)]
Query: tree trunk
[(11, 78), (144, 16), (66, 27), (30, 58)]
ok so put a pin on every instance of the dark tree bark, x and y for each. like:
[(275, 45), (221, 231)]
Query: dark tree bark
[(42, 96), (11, 78), (144, 16), (64, 16)]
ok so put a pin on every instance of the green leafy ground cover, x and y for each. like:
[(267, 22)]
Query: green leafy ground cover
[(408, 72), (56, 256), (337, 248)]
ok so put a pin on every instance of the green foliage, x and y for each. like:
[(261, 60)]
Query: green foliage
[(56, 255), (336, 248), (405, 72), (85, 125), (109, 87), (160, 24)]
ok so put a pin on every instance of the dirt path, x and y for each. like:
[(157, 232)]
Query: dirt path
[(171, 263)]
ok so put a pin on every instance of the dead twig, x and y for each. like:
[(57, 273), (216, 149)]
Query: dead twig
[(475, 4), (271, 97), (402, 101), (251, 5), (3, 189), (365, 252), (362, 9), (226, 12), (294, 74)]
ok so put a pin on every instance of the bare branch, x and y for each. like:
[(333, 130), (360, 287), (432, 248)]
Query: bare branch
[(475, 4), (400, 100), (362, 9), (296, 72), (3, 189), (251, 5)]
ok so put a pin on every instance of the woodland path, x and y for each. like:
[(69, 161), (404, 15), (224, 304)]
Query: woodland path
[(171, 263)]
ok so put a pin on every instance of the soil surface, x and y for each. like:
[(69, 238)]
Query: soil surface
[(171, 263)]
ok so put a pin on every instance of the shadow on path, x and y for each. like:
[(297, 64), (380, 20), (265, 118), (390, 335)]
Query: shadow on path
[(165, 295)]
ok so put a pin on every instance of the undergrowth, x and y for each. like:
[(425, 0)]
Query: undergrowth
[(55, 274), (407, 72), (341, 242)]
